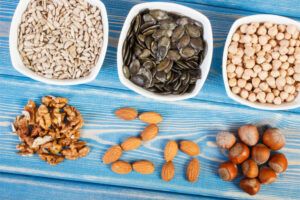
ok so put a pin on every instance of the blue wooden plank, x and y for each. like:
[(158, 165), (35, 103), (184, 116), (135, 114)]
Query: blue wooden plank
[(213, 90), (15, 187), (195, 120)]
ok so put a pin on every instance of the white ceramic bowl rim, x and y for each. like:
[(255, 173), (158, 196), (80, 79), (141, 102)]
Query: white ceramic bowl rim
[(20, 67), (245, 20), (181, 10)]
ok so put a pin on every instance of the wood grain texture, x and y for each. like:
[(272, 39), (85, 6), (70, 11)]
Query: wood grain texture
[(195, 120), (198, 119)]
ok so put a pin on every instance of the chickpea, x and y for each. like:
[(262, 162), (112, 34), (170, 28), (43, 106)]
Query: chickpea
[(248, 72), (291, 29), (273, 43), (290, 71), (270, 97), (268, 24), (232, 82), (287, 36), (236, 60), (298, 87), (283, 73), (291, 59), (276, 64), (290, 98), (263, 39), (240, 52), (255, 82), (262, 30), (251, 29), (231, 68), (297, 77), (297, 55), (268, 57), (239, 71), (254, 39), (285, 66), (266, 66), (249, 64), (291, 50), (277, 101), (236, 37), (290, 80), (283, 50), (297, 68), (232, 49), (283, 58), (231, 75), (261, 53), (236, 90), (273, 31), (257, 69), (292, 42), (275, 73), (257, 90), (263, 86), (260, 59), (283, 95), (289, 89), (244, 94), (261, 96), (280, 82), (241, 83), (281, 27), (280, 36), (257, 47), (284, 43), (275, 55), (243, 28), (245, 39), (252, 97), (271, 81), (276, 92), (248, 86), (249, 51), (263, 75)]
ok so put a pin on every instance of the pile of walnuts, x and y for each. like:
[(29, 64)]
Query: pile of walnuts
[(51, 130)]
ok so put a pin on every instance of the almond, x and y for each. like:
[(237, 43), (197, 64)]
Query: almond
[(121, 167), (112, 154), (126, 113), (150, 132), (151, 117), (193, 170), (143, 167), (189, 147), (168, 171), (171, 150), (131, 143)]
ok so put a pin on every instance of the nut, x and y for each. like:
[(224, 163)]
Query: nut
[(278, 163), (267, 175), (228, 171), (250, 185), (171, 150), (168, 171), (143, 167), (126, 113), (248, 135), (150, 117), (150, 132), (112, 154), (189, 147), (121, 167), (274, 139), (239, 153), (225, 140), (260, 154), (131, 143), (250, 169), (193, 170)]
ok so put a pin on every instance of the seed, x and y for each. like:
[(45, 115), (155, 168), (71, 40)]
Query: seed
[(193, 170), (189, 147), (168, 171), (150, 132), (112, 154), (126, 113), (171, 150), (151, 117), (143, 167), (131, 143), (121, 167)]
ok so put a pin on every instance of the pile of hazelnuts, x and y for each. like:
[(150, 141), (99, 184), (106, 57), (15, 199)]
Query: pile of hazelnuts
[(259, 165)]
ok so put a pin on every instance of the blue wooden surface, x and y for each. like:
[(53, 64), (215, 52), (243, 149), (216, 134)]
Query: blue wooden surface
[(198, 119)]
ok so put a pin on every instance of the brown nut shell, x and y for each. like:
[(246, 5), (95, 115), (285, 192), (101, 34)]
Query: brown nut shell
[(228, 171), (274, 139), (278, 162), (249, 134), (250, 168), (260, 153), (267, 175), (239, 153), (225, 140), (250, 185)]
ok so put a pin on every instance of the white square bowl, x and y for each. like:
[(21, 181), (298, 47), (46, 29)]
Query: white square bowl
[(181, 10), (20, 67), (245, 20)]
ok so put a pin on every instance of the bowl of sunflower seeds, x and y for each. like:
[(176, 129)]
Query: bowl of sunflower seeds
[(165, 51), (59, 42)]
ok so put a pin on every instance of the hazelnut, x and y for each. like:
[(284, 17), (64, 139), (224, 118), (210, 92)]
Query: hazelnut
[(267, 175), (274, 139), (239, 153), (250, 185), (250, 168), (225, 140), (228, 171), (248, 134), (260, 154), (278, 162)]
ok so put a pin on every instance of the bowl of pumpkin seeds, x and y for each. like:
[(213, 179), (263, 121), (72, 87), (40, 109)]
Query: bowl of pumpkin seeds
[(165, 51)]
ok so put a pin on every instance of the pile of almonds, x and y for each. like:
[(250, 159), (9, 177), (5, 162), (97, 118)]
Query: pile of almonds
[(262, 166), (114, 153), (263, 63), (188, 147)]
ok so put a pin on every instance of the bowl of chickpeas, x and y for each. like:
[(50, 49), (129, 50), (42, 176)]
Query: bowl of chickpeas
[(261, 62)]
